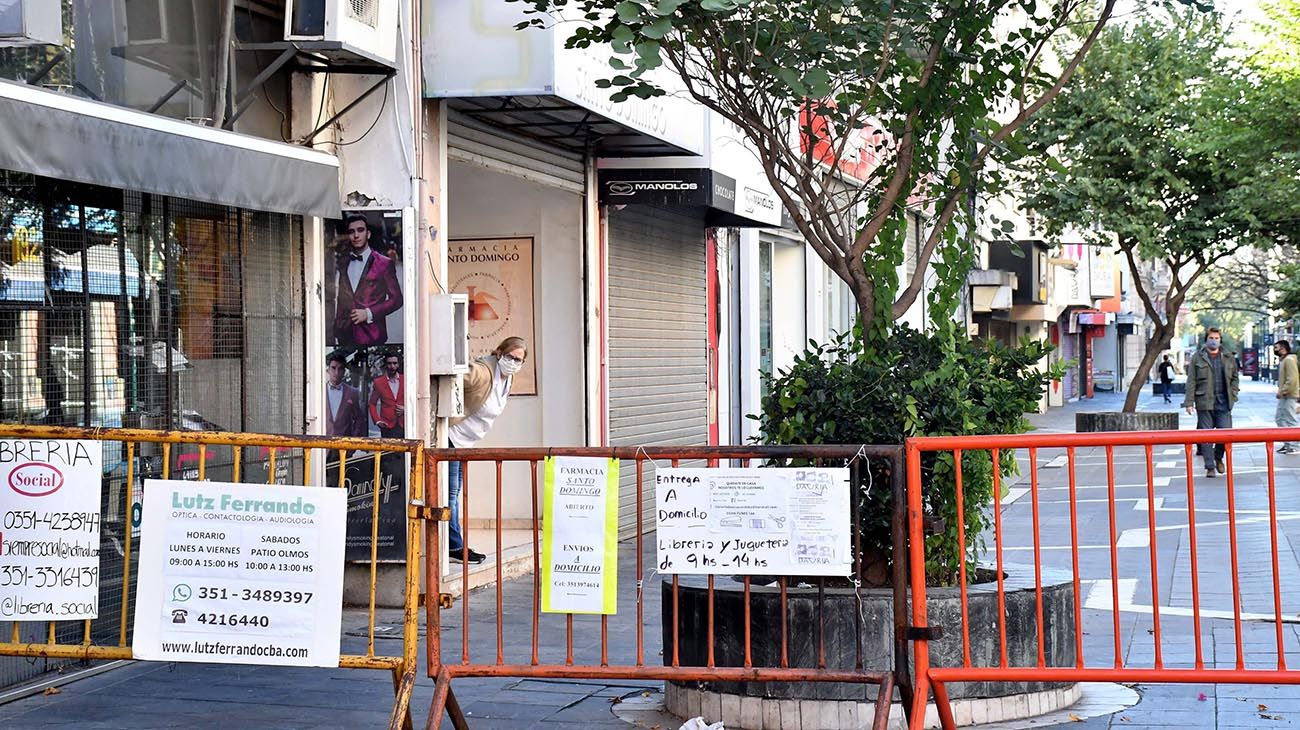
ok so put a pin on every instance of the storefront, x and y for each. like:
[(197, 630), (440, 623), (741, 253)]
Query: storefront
[(523, 128), (151, 275), (515, 243), (677, 241)]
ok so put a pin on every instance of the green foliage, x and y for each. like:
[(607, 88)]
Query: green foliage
[(1288, 291), (946, 85), (1128, 131), (880, 391), (1163, 142)]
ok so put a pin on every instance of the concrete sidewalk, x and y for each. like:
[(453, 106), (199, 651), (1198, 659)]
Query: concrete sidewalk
[(1254, 409), (1205, 706), (165, 695)]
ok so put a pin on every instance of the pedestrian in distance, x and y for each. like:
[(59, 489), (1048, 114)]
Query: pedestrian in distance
[(487, 387), (1288, 392), (1166, 377), (1213, 383)]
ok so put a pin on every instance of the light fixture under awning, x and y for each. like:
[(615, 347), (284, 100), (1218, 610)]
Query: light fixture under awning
[(68, 138)]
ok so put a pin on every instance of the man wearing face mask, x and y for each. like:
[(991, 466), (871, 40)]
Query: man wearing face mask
[(1212, 387)]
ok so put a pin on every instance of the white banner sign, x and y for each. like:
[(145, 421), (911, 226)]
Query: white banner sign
[(240, 574), (753, 521), (49, 532)]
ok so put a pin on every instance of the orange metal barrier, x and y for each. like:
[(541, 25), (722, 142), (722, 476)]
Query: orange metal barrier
[(131, 455), (1050, 536), (533, 656)]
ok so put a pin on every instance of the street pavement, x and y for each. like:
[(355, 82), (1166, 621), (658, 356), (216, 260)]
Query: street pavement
[(1166, 706), (159, 695)]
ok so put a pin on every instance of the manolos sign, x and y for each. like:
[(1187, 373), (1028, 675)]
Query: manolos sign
[(632, 188)]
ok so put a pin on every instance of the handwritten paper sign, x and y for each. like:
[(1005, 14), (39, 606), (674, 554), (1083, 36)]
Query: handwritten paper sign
[(49, 529), (240, 574), (753, 521), (580, 535)]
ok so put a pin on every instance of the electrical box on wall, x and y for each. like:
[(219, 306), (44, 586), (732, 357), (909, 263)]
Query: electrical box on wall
[(448, 334), (451, 396)]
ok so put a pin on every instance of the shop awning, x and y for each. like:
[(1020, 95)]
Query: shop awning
[(68, 138)]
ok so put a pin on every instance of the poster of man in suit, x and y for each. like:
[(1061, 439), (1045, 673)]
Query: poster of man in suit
[(365, 383), (387, 398), (364, 283), (345, 411)]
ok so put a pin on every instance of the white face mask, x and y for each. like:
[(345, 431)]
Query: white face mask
[(510, 367)]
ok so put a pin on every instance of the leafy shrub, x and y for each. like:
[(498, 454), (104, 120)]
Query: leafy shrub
[(854, 391)]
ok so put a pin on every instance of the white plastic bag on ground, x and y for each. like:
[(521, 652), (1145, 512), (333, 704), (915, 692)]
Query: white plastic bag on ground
[(697, 723)]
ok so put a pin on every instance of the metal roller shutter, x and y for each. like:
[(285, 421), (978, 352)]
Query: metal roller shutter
[(658, 367), (496, 149)]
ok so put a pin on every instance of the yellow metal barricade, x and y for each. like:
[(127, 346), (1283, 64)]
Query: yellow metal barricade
[(133, 455)]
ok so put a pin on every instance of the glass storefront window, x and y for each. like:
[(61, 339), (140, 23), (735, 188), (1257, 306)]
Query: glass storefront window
[(124, 309)]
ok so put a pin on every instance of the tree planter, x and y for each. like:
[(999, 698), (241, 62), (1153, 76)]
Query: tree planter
[(833, 701), (1117, 421)]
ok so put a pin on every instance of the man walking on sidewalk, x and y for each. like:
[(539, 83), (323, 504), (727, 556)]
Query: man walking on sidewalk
[(1288, 392), (1212, 387)]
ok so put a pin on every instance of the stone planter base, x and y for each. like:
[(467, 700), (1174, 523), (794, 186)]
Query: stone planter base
[(737, 712), (1118, 421), (841, 612)]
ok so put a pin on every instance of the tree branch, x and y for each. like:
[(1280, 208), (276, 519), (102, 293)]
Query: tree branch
[(1139, 285), (908, 295)]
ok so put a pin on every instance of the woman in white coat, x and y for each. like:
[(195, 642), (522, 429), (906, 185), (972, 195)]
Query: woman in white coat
[(487, 387)]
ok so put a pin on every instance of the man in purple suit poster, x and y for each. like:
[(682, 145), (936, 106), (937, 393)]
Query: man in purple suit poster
[(345, 408), (366, 289)]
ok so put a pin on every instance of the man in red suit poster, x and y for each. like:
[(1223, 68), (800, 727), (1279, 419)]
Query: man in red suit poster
[(345, 412), (386, 399), (366, 289)]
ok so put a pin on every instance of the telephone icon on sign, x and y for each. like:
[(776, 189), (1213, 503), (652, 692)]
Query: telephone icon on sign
[(179, 615)]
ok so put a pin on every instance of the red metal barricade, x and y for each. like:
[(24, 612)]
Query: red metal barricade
[(1150, 570), (580, 655)]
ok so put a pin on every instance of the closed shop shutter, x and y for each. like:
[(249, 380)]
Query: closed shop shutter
[(476, 143), (658, 366)]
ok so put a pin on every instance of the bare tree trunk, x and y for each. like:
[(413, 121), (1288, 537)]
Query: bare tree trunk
[(1159, 343)]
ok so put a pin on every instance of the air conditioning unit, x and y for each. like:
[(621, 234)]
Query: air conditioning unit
[(31, 23), (366, 27)]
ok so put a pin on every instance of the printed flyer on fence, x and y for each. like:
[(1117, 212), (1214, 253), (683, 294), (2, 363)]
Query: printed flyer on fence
[(240, 574), (763, 521), (580, 535), (49, 529)]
